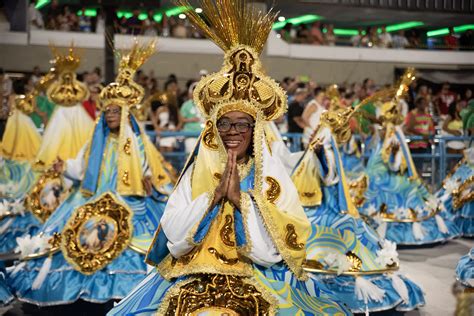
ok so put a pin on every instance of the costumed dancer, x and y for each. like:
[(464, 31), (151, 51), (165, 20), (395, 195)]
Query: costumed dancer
[(344, 252), (457, 193), (70, 126), (232, 237), (397, 202), (19, 147), (93, 246)]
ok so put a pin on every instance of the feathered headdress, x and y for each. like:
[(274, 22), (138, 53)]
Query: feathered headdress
[(240, 31)]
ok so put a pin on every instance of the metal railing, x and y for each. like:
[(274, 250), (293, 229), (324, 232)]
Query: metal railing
[(439, 159)]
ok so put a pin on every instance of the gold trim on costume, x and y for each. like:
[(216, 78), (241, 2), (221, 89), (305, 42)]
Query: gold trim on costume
[(274, 191), (90, 256), (316, 267), (464, 193)]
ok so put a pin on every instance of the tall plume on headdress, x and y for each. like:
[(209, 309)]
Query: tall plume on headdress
[(125, 91), (232, 22), (241, 30)]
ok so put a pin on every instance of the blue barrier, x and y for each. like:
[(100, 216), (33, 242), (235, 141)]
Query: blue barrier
[(439, 157)]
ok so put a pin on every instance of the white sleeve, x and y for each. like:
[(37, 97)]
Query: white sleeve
[(262, 251), (181, 215), (75, 167)]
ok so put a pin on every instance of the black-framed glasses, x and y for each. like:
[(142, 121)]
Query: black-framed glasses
[(241, 127)]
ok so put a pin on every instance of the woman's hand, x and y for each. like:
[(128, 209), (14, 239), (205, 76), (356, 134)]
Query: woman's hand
[(222, 187), (233, 193)]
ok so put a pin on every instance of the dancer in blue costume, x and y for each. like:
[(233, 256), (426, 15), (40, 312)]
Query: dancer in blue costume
[(18, 148), (6, 296), (465, 269), (457, 193), (231, 239), (344, 252), (92, 247), (397, 202)]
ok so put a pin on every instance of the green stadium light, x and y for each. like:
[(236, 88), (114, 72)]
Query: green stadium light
[(41, 3), (88, 12), (345, 32), (308, 18), (403, 26), (445, 31)]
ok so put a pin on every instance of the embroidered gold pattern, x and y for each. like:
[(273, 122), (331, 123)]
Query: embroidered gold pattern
[(89, 256), (229, 295), (356, 262), (49, 184), (126, 147), (274, 191), (227, 230), (222, 258), (464, 193), (209, 136), (125, 178), (291, 238)]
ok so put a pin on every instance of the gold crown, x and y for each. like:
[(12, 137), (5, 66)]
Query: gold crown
[(125, 91), (67, 90), (241, 84), (65, 62)]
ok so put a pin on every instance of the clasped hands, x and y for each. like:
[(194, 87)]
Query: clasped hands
[(229, 184)]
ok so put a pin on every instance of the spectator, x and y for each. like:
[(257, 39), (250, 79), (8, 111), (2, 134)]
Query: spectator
[(466, 41), (444, 99), (65, 21), (399, 40), (191, 118), (356, 39), (373, 37), (453, 126), (296, 124), (5, 84), (465, 98), (99, 22), (384, 38), (287, 33), (312, 114), (419, 122), (179, 30), (150, 25), (84, 22), (329, 36), (165, 26), (36, 75), (451, 41), (423, 92), (134, 25), (315, 34), (167, 118), (365, 39), (35, 17), (91, 104), (413, 38)]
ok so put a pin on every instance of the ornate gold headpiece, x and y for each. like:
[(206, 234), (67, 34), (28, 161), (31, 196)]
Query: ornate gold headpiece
[(125, 91), (67, 90), (389, 110), (241, 31)]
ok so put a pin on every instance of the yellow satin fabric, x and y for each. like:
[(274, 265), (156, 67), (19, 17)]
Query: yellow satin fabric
[(21, 139)]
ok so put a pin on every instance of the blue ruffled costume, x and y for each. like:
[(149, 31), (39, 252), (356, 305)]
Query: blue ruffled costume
[(63, 283)]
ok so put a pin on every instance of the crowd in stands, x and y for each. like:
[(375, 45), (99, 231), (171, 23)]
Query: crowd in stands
[(438, 106), (74, 18)]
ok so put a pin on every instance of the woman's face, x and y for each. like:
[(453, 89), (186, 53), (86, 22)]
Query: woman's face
[(235, 129), (112, 117)]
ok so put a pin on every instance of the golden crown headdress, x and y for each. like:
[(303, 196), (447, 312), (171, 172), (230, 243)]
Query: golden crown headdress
[(125, 91), (66, 90), (241, 30)]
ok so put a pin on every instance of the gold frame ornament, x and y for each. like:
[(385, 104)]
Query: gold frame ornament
[(464, 193), (109, 209), (33, 199)]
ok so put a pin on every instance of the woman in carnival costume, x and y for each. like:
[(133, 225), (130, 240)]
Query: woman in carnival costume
[(232, 236), (70, 126), (457, 193), (19, 147), (344, 252), (397, 202), (92, 247)]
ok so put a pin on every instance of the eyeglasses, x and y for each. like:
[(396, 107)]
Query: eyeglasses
[(226, 126), (112, 111)]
